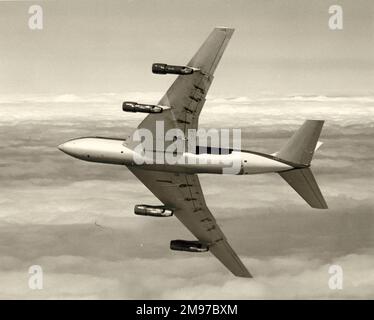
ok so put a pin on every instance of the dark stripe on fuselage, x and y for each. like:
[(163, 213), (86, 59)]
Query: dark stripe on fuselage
[(215, 150), (93, 137)]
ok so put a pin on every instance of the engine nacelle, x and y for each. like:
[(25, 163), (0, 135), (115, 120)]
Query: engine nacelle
[(162, 68), (190, 246), (129, 106), (154, 211)]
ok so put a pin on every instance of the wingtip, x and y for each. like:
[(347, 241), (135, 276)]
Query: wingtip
[(244, 275), (320, 121), (222, 28)]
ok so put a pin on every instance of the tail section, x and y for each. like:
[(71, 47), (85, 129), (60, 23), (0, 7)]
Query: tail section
[(299, 150), (304, 183)]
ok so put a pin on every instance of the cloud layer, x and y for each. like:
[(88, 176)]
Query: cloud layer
[(75, 219)]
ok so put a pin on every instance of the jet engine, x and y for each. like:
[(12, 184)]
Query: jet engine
[(129, 106), (162, 68), (191, 246), (154, 211)]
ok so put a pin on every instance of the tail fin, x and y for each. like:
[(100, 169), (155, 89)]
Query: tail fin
[(299, 150)]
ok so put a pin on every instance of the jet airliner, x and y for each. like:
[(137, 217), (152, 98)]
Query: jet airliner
[(177, 185)]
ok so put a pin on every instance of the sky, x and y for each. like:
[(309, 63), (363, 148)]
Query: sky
[(109, 46), (75, 219)]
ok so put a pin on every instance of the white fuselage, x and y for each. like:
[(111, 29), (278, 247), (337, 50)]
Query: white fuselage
[(116, 151)]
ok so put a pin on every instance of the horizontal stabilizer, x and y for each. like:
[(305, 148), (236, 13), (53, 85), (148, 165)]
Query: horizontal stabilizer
[(304, 183)]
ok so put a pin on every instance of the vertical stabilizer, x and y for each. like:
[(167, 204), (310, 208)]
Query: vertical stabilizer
[(300, 148)]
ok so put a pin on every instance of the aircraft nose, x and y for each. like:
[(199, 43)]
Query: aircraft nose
[(61, 147), (68, 147)]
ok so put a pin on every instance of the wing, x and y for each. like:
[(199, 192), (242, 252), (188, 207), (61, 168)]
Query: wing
[(186, 96), (183, 193)]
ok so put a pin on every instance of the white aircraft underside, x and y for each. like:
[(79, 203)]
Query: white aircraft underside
[(113, 151), (177, 185)]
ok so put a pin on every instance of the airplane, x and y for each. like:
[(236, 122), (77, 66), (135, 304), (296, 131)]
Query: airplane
[(177, 185)]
